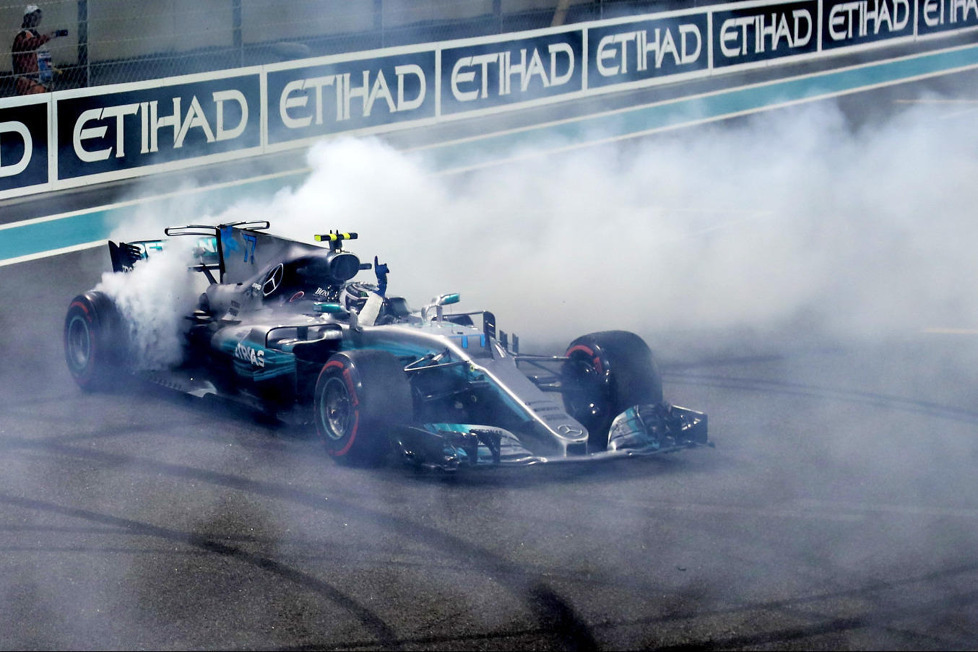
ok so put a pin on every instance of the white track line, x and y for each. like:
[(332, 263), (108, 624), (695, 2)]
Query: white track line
[(54, 252)]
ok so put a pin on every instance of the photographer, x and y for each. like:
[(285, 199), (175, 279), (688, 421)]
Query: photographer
[(31, 59)]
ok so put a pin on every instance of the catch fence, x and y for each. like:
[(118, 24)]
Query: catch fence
[(119, 41)]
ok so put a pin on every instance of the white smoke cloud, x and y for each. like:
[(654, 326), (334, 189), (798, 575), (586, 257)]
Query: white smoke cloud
[(793, 221), (154, 298)]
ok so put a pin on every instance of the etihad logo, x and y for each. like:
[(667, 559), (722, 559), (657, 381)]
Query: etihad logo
[(109, 125), (759, 33), (304, 102), (640, 48), (863, 18), (949, 12), (515, 70)]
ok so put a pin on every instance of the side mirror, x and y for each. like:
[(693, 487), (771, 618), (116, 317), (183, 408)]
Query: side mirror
[(339, 313), (328, 308), (436, 305)]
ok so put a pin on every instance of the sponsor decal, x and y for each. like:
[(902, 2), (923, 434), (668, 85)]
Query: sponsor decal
[(847, 22), (764, 33), (646, 49), (569, 431), (23, 146), (127, 130), (135, 128), (255, 357), (251, 243), (944, 15), (316, 100), (496, 74)]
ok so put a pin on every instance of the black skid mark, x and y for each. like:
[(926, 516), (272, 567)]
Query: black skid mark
[(559, 618), (385, 637)]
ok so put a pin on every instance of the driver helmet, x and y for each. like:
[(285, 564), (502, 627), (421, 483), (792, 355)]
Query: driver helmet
[(354, 296)]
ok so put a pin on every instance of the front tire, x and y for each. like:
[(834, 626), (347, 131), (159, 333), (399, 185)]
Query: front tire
[(607, 373), (360, 396), (95, 341)]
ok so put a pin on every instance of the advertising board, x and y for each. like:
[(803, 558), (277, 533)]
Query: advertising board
[(846, 23), (651, 48), (495, 74), (24, 128), (68, 138), (763, 33), (335, 95), (937, 16), (120, 130)]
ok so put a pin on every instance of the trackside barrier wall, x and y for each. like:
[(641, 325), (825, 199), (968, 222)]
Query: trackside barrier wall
[(72, 138)]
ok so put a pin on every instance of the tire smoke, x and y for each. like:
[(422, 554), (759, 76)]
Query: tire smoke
[(794, 223), (154, 299)]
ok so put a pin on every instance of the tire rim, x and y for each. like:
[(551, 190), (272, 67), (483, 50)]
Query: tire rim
[(336, 412), (79, 343)]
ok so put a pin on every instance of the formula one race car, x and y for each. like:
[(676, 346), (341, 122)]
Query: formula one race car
[(283, 327)]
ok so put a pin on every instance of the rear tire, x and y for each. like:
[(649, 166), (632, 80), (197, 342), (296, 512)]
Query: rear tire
[(360, 397), (607, 373), (95, 341)]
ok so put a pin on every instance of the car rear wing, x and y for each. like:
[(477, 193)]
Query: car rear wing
[(211, 256), (208, 252), (126, 254)]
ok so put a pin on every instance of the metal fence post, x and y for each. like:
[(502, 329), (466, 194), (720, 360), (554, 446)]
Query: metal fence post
[(236, 31), (83, 68), (379, 20)]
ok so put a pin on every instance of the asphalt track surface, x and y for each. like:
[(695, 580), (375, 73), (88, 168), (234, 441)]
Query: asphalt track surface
[(838, 510)]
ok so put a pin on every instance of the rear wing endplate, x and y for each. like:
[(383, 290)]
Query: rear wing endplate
[(126, 254)]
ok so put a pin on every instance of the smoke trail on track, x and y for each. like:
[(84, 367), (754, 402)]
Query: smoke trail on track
[(792, 222)]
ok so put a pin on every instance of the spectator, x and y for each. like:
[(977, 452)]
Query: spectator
[(31, 59)]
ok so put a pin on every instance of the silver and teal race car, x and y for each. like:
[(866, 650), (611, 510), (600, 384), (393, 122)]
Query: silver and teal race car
[(283, 327)]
